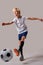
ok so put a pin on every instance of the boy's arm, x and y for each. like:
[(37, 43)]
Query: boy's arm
[(9, 23), (33, 18)]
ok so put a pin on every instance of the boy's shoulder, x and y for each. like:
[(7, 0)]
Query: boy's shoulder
[(23, 16), (15, 18)]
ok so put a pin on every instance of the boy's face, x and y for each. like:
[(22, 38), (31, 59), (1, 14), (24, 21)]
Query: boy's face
[(17, 13)]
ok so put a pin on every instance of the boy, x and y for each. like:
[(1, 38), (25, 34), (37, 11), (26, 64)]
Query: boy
[(22, 30)]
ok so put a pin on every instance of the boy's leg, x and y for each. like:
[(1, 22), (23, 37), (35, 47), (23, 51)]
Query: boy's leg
[(20, 50), (22, 38), (21, 44), (21, 47)]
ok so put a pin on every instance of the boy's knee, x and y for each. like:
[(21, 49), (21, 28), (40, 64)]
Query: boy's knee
[(23, 38)]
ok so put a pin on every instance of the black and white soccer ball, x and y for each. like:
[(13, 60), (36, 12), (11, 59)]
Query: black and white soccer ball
[(6, 55)]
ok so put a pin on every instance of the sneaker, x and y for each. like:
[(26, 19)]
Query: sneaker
[(21, 58), (16, 52)]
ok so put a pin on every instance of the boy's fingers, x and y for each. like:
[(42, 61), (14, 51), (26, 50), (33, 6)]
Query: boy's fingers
[(41, 19), (3, 24)]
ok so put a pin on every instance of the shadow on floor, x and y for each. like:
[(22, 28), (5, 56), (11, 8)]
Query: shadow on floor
[(33, 59)]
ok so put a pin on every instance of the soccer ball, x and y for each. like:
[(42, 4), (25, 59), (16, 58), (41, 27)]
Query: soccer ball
[(6, 55)]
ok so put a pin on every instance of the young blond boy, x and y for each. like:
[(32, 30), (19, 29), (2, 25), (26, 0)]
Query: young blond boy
[(19, 20)]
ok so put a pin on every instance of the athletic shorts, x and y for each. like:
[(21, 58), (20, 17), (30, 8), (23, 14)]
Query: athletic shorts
[(22, 34)]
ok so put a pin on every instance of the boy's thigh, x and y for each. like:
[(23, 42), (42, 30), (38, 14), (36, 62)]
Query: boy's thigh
[(22, 36)]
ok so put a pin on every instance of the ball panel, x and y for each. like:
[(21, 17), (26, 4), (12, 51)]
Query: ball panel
[(6, 60), (4, 49), (8, 55), (2, 56)]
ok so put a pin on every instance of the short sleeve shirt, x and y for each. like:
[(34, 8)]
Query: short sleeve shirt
[(20, 24)]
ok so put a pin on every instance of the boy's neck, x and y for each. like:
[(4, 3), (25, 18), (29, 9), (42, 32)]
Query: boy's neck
[(19, 17)]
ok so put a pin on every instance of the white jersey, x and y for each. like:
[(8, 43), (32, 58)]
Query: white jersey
[(20, 24)]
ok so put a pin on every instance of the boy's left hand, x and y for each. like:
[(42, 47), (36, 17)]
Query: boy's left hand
[(41, 20)]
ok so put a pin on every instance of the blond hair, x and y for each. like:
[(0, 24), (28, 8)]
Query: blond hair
[(16, 9)]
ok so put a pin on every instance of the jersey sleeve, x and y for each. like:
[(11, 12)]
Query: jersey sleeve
[(24, 18), (14, 20)]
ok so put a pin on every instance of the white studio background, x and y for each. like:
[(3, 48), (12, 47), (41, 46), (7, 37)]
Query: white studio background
[(8, 34)]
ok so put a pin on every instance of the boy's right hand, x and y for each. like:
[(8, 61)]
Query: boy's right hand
[(3, 24)]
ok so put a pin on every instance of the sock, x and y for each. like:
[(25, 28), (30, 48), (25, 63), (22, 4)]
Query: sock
[(21, 47)]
